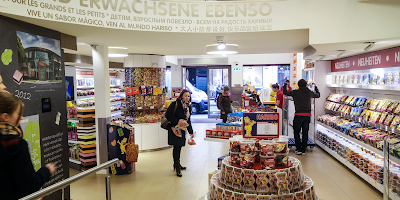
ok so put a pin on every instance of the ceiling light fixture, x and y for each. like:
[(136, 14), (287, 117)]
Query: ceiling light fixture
[(370, 45), (229, 49), (117, 52), (221, 47), (341, 53)]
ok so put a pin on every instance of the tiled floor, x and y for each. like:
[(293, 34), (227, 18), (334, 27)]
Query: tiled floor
[(155, 179)]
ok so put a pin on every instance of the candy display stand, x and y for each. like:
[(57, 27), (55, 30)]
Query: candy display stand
[(145, 100)]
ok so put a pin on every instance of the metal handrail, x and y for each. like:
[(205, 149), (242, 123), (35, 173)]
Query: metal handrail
[(69, 181)]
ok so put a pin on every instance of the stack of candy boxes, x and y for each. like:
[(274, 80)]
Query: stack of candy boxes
[(363, 159), (244, 178), (225, 130)]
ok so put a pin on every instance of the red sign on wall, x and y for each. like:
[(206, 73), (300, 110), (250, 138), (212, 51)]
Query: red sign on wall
[(80, 72), (379, 59)]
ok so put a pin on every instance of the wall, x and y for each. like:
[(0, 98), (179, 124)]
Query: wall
[(321, 69), (237, 61), (176, 76)]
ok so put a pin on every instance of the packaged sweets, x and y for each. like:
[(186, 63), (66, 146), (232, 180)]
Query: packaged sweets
[(338, 79), (288, 197), (239, 196), (281, 159), (228, 195), (392, 107), (264, 197), (248, 180), (273, 181), (234, 145), (396, 78), (333, 79), (382, 118), (281, 145), (229, 175), (223, 170), (220, 193), (356, 79), (282, 183), (251, 197), (267, 162), (247, 146), (235, 159), (267, 147), (262, 181), (276, 197), (299, 195), (237, 179), (247, 161), (389, 79), (307, 195), (351, 81), (395, 122)]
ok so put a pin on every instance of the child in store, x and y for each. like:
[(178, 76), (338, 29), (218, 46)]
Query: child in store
[(17, 175)]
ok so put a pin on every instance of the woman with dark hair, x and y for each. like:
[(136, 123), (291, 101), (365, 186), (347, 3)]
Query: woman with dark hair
[(279, 95), (17, 175), (178, 113)]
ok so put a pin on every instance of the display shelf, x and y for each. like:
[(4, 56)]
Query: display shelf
[(118, 93), (115, 102), (116, 112), (73, 120), (74, 161), (73, 142), (216, 140), (356, 170), (86, 97), (365, 145), (364, 86)]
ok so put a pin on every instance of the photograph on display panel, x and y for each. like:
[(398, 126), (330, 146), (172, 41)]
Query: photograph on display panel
[(39, 59)]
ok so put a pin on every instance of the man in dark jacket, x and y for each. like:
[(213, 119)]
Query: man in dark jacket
[(302, 102), (224, 104)]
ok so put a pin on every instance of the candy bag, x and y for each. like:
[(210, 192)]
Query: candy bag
[(248, 180), (237, 179), (262, 181)]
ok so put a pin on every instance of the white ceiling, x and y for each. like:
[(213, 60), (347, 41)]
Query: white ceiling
[(145, 42)]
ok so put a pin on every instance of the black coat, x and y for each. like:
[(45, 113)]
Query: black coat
[(225, 103), (174, 119), (17, 175), (302, 98)]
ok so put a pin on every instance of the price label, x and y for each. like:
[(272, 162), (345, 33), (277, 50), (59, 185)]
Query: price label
[(139, 108), (151, 107)]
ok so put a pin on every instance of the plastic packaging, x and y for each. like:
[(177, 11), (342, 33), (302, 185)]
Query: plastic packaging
[(267, 162), (267, 147), (281, 145), (247, 161), (247, 146)]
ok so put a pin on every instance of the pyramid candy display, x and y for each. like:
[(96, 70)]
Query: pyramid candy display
[(257, 181)]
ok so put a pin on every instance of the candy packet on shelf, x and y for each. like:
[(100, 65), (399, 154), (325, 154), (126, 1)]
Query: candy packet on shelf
[(238, 196), (262, 181), (248, 180), (237, 179)]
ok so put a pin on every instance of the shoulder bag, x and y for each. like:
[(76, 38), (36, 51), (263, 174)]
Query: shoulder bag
[(164, 121)]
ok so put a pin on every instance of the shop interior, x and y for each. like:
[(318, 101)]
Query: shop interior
[(119, 88)]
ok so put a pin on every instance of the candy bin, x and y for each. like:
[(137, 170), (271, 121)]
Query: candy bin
[(267, 162), (247, 146), (247, 161), (281, 145), (235, 159), (234, 145), (281, 160), (267, 147)]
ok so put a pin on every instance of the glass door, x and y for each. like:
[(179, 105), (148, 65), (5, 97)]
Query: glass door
[(217, 78)]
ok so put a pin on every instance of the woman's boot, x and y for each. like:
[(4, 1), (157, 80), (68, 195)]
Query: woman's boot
[(177, 168)]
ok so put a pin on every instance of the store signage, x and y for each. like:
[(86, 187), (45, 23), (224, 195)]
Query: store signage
[(261, 125), (379, 59), (83, 73), (146, 15), (90, 73)]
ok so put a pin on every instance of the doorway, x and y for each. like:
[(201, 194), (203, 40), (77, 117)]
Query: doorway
[(217, 78)]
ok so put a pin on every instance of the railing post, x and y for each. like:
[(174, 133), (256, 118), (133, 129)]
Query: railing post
[(108, 185), (385, 169)]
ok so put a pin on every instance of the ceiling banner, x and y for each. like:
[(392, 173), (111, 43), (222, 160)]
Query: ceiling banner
[(378, 59), (161, 16)]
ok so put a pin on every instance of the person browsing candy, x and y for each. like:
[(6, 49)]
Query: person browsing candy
[(302, 103)]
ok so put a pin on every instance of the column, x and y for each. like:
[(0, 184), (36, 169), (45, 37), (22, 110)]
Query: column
[(102, 95)]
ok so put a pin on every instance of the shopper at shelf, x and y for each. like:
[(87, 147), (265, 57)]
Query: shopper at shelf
[(302, 102), (224, 103), (17, 175), (279, 95), (178, 113)]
